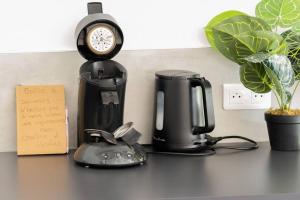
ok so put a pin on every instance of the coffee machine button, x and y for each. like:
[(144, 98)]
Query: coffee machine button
[(129, 155), (105, 155)]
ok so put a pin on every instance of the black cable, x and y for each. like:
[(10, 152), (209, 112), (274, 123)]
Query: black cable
[(214, 140), (206, 152)]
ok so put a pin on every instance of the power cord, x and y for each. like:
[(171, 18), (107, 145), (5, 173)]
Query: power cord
[(206, 152), (210, 149), (214, 140)]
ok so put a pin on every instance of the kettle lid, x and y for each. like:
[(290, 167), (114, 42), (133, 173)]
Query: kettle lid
[(176, 74)]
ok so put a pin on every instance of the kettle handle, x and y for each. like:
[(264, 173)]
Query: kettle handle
[(207, 105)]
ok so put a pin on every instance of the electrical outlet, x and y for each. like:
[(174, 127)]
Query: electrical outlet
[(259, 98), (237, 97)]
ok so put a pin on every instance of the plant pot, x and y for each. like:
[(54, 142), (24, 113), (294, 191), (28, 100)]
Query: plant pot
[(284, 132)]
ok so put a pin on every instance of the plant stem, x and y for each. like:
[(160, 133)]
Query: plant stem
[(297, 85), (277, 97), (295, 88)]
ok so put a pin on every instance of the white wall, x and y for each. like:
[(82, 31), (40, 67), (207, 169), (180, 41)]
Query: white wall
[(48, 25)]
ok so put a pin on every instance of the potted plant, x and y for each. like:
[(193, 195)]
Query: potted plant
[(267, 49)]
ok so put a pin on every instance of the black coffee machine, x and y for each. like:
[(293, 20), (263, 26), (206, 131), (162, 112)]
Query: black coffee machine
[(183, 113), (103, 140)]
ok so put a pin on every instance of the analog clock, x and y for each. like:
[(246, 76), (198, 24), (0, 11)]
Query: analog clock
[(101, 39)]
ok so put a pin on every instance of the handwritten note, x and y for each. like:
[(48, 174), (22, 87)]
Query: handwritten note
[(41, 120)]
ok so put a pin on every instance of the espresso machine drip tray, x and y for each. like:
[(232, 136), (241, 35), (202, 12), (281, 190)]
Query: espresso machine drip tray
[(105, 155), (111, 150)]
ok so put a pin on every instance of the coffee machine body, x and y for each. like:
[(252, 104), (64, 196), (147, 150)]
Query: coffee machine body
[(103, 140), (101, 97), (183, 112)]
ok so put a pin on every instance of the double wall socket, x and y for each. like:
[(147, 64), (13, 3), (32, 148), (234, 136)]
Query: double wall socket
[(237, 97)]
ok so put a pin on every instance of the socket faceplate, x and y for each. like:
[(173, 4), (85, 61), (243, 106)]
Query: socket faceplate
[(237, 97)]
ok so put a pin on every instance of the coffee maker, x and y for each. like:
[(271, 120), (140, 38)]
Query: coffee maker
[(103, 140)]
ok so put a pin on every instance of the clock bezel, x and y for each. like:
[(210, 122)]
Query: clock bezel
[(96, 26)]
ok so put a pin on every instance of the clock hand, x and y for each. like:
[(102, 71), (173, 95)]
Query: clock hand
[(107, 40)]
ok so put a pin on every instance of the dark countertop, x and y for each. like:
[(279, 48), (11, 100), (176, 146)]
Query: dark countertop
[(259, 174)]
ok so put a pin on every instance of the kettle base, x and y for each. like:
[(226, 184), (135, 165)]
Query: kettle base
[(191, 148)]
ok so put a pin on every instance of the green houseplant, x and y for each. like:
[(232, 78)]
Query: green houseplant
[(267, 50)]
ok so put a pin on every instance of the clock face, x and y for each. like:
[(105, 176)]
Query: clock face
[(101, 39)]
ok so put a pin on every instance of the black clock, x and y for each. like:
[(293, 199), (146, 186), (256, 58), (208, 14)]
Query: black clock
[(98, 35)]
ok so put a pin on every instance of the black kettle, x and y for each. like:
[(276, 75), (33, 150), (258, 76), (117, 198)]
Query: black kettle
[(183, 112)]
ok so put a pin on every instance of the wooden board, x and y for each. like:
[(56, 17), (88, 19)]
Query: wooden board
[(41, 120)]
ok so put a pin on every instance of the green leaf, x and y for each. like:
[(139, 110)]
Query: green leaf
[(282, 93), (282, 68), (241, 36), (282, 49), (280, 72), (293, 41), (257, 58), (217, 20), (254, 77), (282, 13), (296, 28)]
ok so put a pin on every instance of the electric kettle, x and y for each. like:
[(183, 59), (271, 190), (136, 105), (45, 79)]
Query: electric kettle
[(183, 112)]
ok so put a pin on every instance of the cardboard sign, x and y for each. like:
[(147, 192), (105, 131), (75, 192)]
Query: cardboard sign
[(41, 120)]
